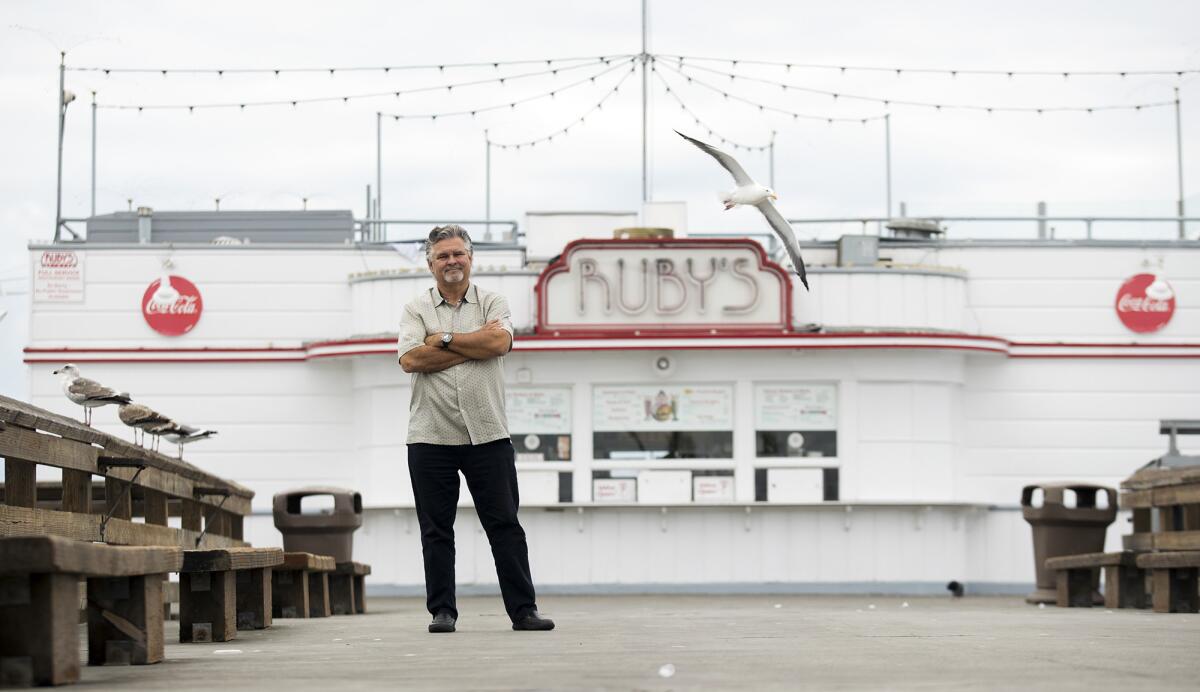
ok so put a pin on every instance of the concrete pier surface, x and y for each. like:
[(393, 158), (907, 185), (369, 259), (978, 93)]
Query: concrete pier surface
[(695, 642)]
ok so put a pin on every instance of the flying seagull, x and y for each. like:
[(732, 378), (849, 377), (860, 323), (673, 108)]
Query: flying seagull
[(140, 418), (751, 193), (88, 393)]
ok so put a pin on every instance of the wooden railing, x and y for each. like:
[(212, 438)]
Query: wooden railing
[(211, 508)]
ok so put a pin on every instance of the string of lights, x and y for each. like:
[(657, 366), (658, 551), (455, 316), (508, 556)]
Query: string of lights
[(926, 104), (221, 71), (511, 104), (397, 93), (899, 71), (700, 123), (562, 132), (763, 107)]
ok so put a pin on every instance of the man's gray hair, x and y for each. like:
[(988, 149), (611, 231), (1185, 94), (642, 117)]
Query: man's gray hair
[(440, 233)]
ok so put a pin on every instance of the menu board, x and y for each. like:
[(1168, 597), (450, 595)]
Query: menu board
[(794, 406), (58, 276), (639, 408), (542, 410)]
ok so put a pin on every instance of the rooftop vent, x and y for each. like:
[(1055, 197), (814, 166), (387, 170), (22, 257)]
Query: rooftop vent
[(919, 229)]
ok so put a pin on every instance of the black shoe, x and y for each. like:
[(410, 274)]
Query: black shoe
[(442, 622), (533, 622)]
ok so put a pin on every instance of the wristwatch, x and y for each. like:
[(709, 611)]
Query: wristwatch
[(446, 339)]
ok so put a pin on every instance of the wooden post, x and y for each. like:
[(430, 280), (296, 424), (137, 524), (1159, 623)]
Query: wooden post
[(191, 515), (318, 594), (156, 507), (39, 629), (236, 524), (360, 595), (206, 606), (342, 599), (116, 499), (254, 598), (77, 491), (289, 593), (1124, 587), (20, 483), (125, 620)]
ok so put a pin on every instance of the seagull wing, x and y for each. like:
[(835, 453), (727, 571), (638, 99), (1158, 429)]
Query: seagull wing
[(91, 390), (784, 230), (727, 162)]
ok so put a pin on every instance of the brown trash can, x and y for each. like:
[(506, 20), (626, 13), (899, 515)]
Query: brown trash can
[(1061, 530), (321, 534)]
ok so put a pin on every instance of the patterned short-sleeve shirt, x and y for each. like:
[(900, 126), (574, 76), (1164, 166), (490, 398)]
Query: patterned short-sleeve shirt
[(463, 404)]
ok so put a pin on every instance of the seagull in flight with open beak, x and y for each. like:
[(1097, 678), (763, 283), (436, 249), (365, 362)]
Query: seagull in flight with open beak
[(751, 193)]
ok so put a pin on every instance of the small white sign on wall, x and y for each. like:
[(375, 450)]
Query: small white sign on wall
[(57, 276), (662, 407), (795, 406)]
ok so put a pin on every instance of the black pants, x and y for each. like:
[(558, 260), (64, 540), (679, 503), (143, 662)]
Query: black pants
[(491, 475)]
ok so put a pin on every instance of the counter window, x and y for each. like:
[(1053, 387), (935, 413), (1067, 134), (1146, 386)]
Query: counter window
[(795, 420), (539, 420), (662, 422)]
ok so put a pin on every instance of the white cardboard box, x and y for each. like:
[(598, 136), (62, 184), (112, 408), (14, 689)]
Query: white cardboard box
[(614, 490), (712, 489), (538, 487), (795, 485), (664, 486)]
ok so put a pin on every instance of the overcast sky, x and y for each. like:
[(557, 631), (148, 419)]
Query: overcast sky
[(945, 163)]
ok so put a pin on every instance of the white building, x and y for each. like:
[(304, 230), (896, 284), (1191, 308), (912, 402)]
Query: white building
[(675, 431)]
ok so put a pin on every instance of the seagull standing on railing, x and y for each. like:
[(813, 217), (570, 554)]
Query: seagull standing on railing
[(88, 393), (186, 434), (751, 193), (140, 418)]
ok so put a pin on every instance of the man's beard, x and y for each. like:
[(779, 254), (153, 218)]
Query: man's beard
[(448, 275)]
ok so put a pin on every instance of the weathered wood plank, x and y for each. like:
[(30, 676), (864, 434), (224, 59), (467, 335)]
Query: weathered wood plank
[(154, 506), (22, 443), (39, 632), (1125, 557), (1167, 560), (359, 569), (23, 521), (20, 483), (1132, 499), (1177, 495), (29, 554), (307, 561), (117, 499), (191, 515), (1177, 540), (1140, 542), (125, 620), (76, 491), (221, 560)]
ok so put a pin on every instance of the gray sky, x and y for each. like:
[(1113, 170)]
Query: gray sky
[(944, 163)]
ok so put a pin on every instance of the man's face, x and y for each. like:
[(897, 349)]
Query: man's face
[(451, 262)]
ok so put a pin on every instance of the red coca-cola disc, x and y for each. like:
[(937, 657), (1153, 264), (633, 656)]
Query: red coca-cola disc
[(1145, 303), (175, 317)]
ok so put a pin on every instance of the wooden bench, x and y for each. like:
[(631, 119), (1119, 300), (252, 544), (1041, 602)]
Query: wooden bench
[(301, 586), (223, 590), (346, 588), (1174, 577), (1124, 581), (39, 606)]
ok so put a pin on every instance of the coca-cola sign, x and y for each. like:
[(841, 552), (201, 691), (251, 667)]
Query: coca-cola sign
[(172, 305), (1145, 303)]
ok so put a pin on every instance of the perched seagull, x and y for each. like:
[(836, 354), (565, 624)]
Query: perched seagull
[(751, 193), (185, 434), (141, 418), (88, 393)]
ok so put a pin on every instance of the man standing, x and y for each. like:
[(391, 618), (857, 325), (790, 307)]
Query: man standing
[(453, 338)]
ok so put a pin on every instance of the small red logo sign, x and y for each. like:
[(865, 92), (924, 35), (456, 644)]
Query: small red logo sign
[(172, 308), (59, 260), (1145, 303)]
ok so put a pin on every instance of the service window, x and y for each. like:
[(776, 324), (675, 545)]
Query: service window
[(662, 421), (795, 419), (539, 420)]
